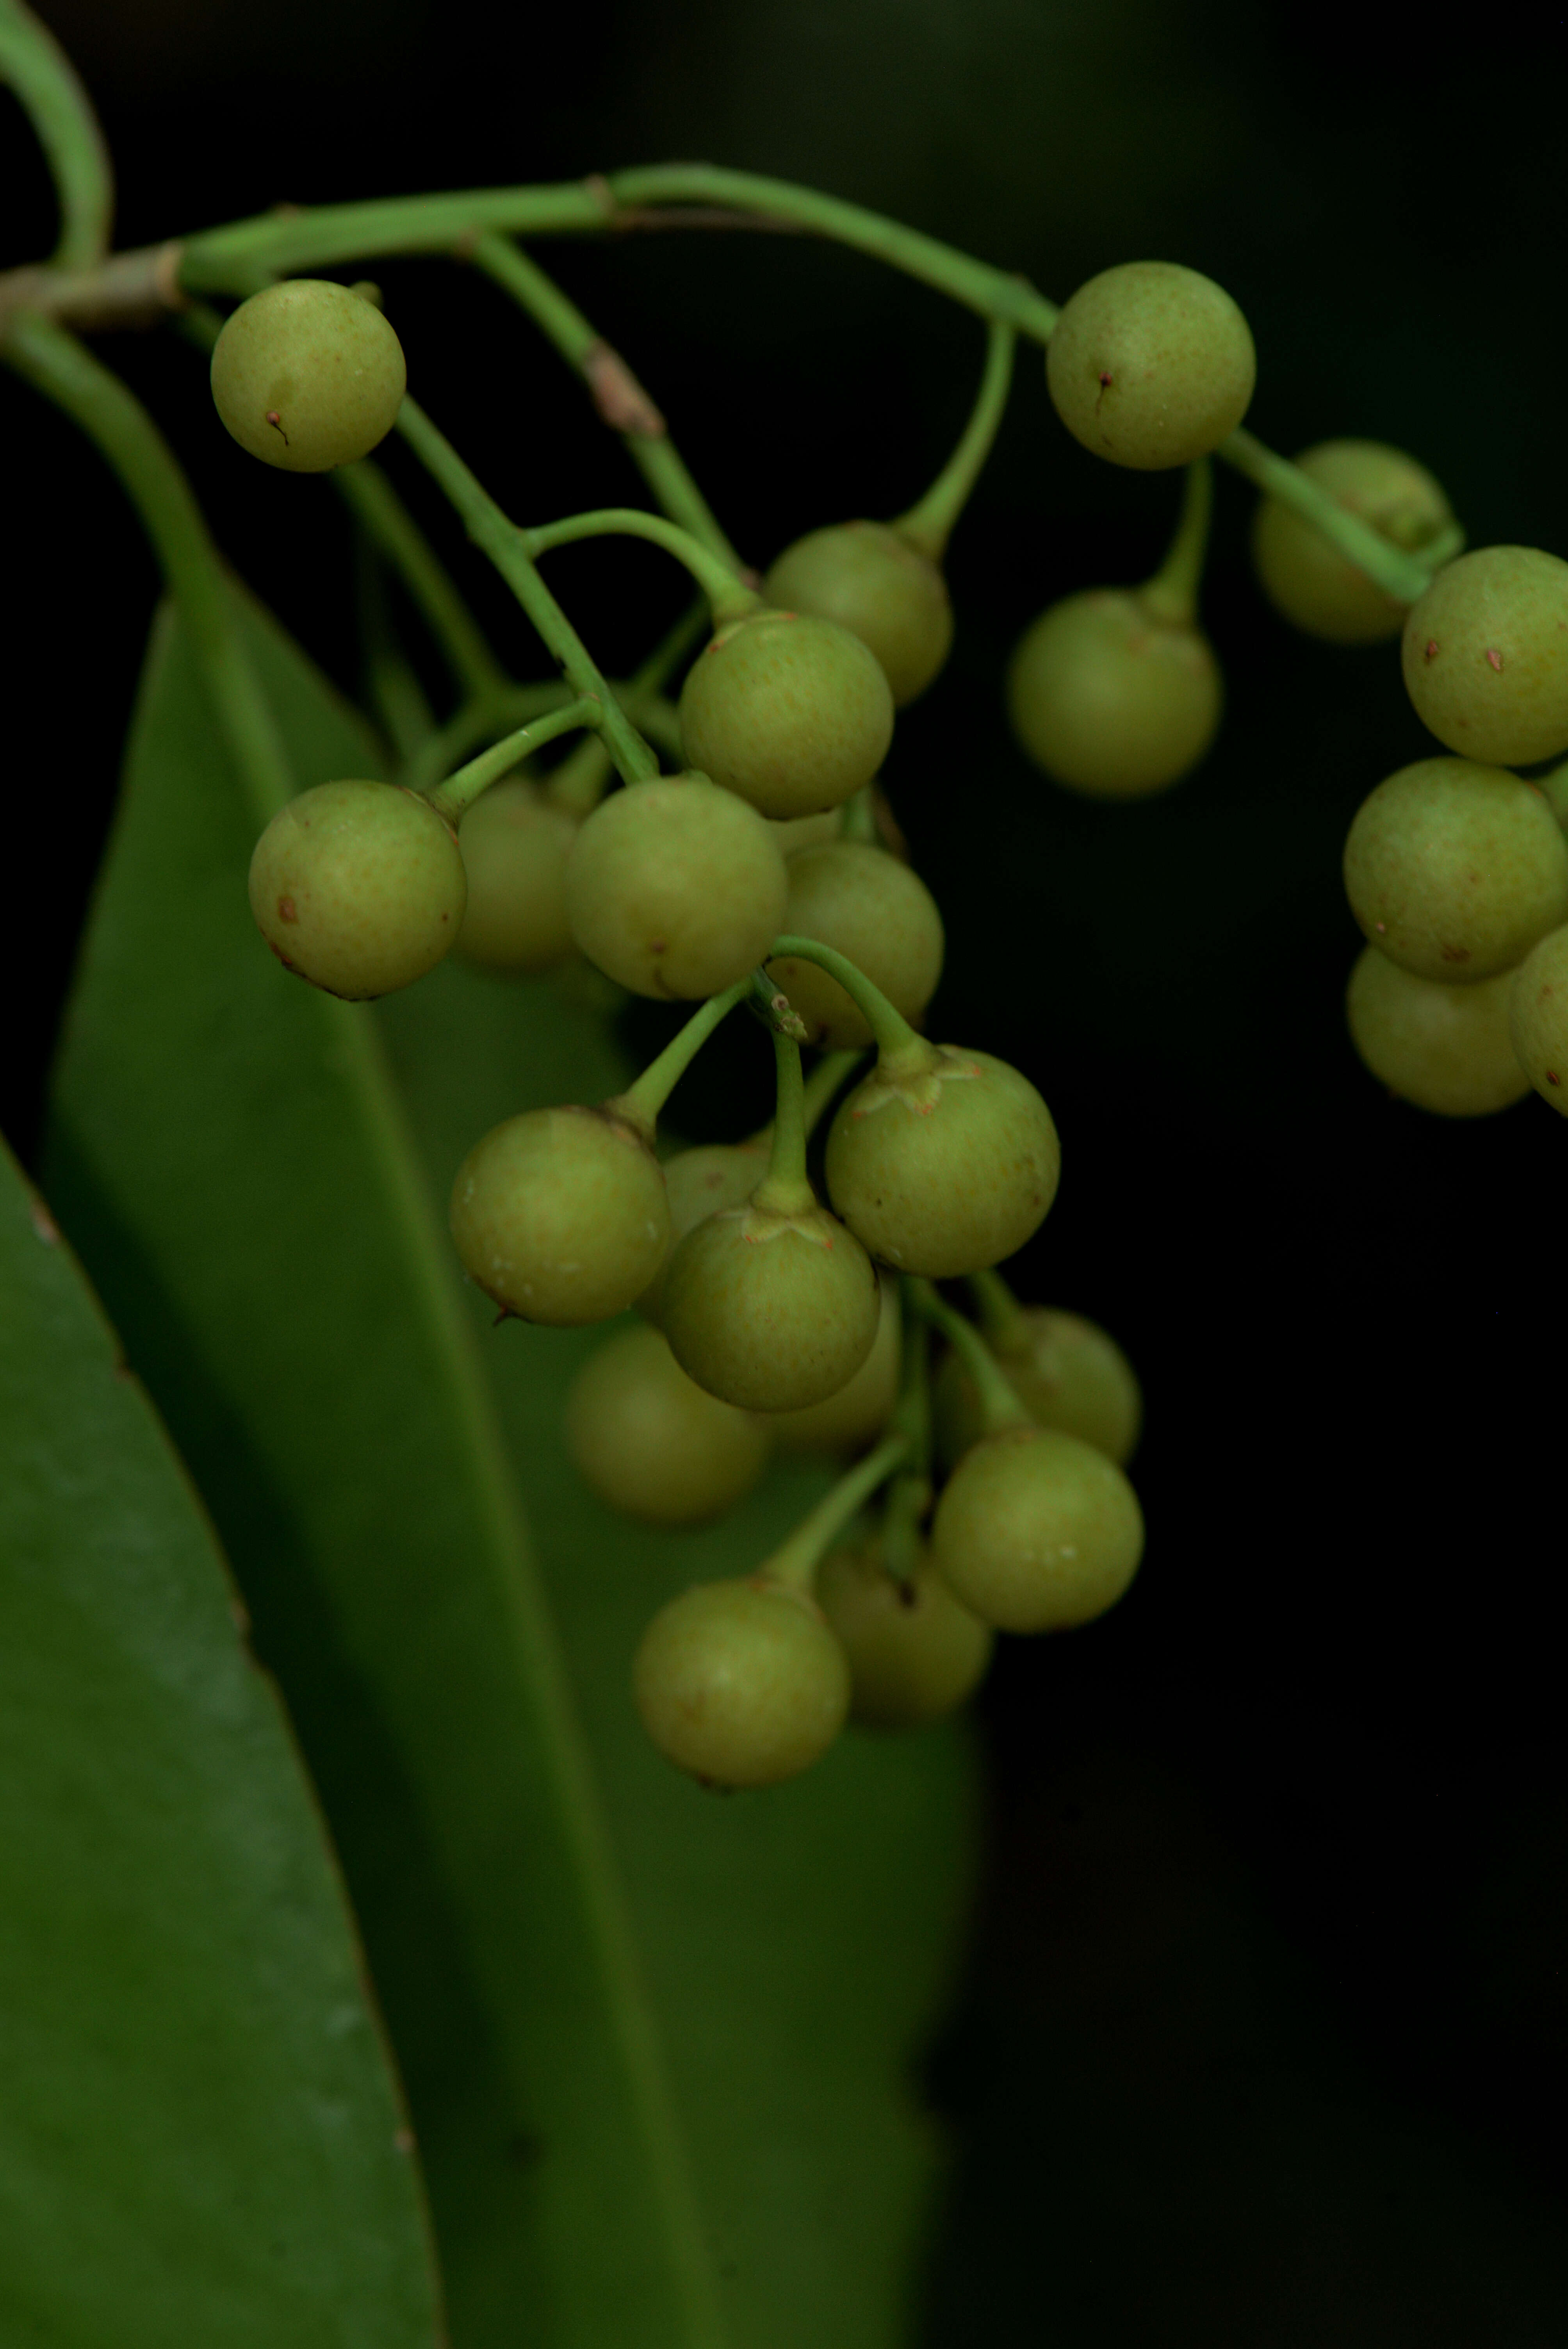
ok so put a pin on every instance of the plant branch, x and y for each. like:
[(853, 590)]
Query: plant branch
[(1172, 596), (797, 1559), (720, 581), (454, 797), (61, 113), (929, 525)]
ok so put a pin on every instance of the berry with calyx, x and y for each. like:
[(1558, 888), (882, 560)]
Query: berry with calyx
[(651, 1443), (788, 713), (1151, 365), (1067, 1371), (770, 1309), (1303, 575), (307, 375), (1538, 1017), (876, 583), (1444, 1048), (561, 1215), (1111, 698), (515, 843), (676, 888), (879, 913), (1485, 656), (850, 1419), (943, 1165), (914, 1652), (699, 1183), (358, 888), (741, 1684), (1454, 870), (1036, 1530)]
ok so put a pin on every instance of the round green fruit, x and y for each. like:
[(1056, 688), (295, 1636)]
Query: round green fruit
[(873, 909), (788, 713), (850, 1419), (1069, 1373), (1485, 656), (560, 1215), (1303, 575), (515, 843), (307, 375), (358, 888), (1538, 1017), (1445, 1049), (1151, 365), (741, 1684), (771, 1311), (700, 1183), (651, 1443), (943, 1170), (675, 887), (1111, 700), (1036, 1531), (872, 581), (915, 1654), (1454, 870)]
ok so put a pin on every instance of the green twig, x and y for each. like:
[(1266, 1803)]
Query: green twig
[(1172, 596), (796, 1560), (60, 111), (1405, 576), (396, 696), (893, 1035), (453, 797), (929, 525), (1000, 1405), (377, 506), (720, 581), (642, 1101)]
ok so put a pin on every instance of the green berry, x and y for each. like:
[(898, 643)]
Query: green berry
[(1303, 575), (560, 1215), (1454, 870), (1151, 365), (877, 913), (1485, 656), (651, 1443), (1111, 699), (675, 887), (847, 1421), (1068, 1373), (771, 1311), (358, 888), (1036, 1531), (307, 375), (946, 1170), (1445, 1049), (872, 581), (915, 1654), (792, 713), (741, 1684), (1538, 1017), (515, 844), (699, 1183)]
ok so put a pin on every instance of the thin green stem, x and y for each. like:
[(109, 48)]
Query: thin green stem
[(929, 525), (616, 394), (453, 797), (1002, 1321), (859, 820), (500, 539), (823, 1085), (1172, 596), (785, 1189), (893, 1036), (797, 1559), (641, 1103), (61, 113), (1404, 577), (727, 595), (377, 504), (491, 716), (579, 782), (999, 1404)]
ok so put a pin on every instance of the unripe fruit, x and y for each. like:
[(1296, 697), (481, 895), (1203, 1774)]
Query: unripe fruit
[(515, 843), (1111, 700), (1151, 365), (792, 713), (675, 887), (1069, 1373), (877, 911), (741, 1684), (358, 888), (1538, 1017), (946, 1171), (651, 1443), (560, 1215), (1036, 1531), (1303, 575), (697, 1184), (914, 1652), (307, 375), (771, 1311), (850, 1419), (1485, 656), (1445, 1049), (872, 581), (1454, 870)]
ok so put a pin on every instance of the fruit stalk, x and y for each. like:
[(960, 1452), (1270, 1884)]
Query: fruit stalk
[(453, 797), (796, 1560), (720, 581), (1000, 1404), (928, 524)]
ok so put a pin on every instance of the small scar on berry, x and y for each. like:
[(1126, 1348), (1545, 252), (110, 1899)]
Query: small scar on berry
[(1494, 659), (276, 421), (287, 910), (1455, 953), (1432, 651), (1553, 1078)]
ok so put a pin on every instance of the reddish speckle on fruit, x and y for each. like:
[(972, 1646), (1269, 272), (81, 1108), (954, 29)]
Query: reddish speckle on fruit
[(1494, 658), (1431, 648), (287, 910), (1382, 929), (1553, 1078), (1455, 953), (276, 421)]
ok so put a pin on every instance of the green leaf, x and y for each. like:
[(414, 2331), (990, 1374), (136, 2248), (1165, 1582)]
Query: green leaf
[(200, 2137), (600, 1981)]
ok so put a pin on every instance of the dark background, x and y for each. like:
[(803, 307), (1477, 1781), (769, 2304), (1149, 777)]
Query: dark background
[(1264, 2034)]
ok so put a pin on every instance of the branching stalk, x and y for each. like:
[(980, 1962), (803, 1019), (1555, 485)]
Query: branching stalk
[(453, 797)]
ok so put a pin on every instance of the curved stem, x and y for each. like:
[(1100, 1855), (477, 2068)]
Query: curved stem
[(796, 1560), (490, 716), (1172, 596), (61, 113), (1000, 1405), (785, 1190), (1002, 1322), (891, 1032), (729, 598), (1404, 577), (618, 397), (578, 784), (453, 797), (640, 1102), (929, 525), (386, 520)]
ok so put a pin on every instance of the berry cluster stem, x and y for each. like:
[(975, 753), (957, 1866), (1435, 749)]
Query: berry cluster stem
[(1405, 576), (727, 595), (1000, 1405), (1002, 1322), (823, 1083), (453, 797), (640, 1102), (375, 504), (1172, 596), (34, 65), (785, 1189), (796, 1560), (928, 525), (896, 1040)]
